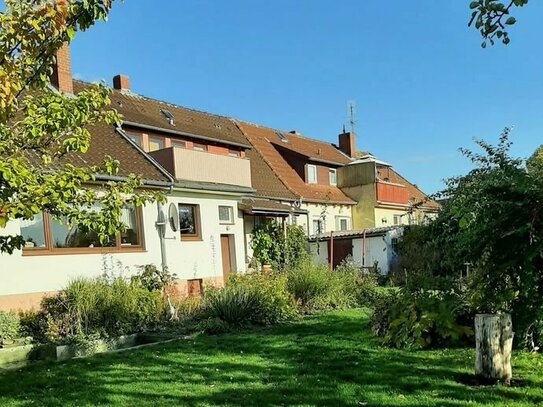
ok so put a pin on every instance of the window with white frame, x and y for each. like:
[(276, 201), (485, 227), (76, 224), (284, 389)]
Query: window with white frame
[(343, 223), (397, 219), (332, 176), (226, 214), (311, 174)]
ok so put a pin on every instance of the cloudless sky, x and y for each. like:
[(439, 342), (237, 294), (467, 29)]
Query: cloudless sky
[(422, 85)]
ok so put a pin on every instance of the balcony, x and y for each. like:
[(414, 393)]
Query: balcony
[(202, 166), (391, 193)]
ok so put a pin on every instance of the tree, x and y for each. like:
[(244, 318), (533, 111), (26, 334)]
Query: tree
[(492, 17), (40, 127)]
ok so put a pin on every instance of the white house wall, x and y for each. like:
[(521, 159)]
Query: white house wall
[(187, 259)]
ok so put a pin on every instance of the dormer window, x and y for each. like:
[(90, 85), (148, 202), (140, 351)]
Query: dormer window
[(332, 176), (168, 115), (311, 174)]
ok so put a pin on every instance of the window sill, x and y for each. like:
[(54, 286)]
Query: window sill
[(81, 250), (191, 239)]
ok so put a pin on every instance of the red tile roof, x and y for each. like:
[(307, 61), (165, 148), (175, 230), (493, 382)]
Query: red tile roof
[(266, 143)]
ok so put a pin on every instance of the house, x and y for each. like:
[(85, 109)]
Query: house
[(198, 234), (383, 197), (369, 248)]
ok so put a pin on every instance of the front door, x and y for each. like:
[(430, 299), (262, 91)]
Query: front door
[(226, 256)]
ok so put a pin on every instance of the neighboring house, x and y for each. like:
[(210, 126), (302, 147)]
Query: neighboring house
[(383, 196), (373, 247), (299, 172)]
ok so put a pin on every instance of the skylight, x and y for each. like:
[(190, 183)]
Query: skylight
[(281, 136), (168, 115)]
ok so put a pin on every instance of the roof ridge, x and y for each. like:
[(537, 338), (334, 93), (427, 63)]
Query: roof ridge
[(139, 96), (264, 158), (288, 133)]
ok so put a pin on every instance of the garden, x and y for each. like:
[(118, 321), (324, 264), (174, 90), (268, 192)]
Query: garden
[(302, 334)]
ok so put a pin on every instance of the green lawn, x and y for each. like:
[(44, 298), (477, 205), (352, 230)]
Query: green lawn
[(329, 359)]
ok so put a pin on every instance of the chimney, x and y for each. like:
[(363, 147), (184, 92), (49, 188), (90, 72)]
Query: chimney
[(121, 82), (346, 143), (62, 73)]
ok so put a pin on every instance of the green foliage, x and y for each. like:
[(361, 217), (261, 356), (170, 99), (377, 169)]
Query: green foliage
[(95, 308), (491, 18), (40, 127), (9, 326), (421, 319), (251, 299), (295, 246), (268, 243), (361, 285), (316, 288), (152, 278)]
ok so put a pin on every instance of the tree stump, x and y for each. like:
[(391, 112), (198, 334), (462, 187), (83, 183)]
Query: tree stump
[(494, 341)]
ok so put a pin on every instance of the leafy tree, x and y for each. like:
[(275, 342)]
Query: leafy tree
[(492, 17), (268, 243), (41, 127)]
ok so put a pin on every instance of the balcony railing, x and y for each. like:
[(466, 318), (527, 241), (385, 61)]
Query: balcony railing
[(201, 166), (391, 193)]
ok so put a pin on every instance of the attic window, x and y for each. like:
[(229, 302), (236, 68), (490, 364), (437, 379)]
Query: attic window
[(281, 136), (168, 115)]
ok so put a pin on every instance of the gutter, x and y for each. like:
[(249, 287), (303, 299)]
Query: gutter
[(185, 134)]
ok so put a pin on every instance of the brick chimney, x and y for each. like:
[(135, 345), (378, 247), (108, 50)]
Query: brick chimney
[(62, 73), (121, 82), (346, 143)]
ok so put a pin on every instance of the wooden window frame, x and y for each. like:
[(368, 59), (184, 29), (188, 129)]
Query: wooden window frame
[(197, 236), (50, 250), (231, 211)]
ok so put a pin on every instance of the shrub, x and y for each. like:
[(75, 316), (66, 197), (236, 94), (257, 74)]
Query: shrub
[(95, 308), (421, 318), (268, 243), (152, 278), (315, 288), (9, 326), (295, 246), (360, 285), (249, 299)]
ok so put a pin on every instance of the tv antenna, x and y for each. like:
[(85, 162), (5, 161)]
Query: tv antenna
[(351, 114)]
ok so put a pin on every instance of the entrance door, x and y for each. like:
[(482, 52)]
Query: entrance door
[(226, 256)]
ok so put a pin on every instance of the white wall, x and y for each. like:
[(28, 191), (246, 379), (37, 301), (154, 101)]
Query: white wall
[(188, 259), (331, 212)]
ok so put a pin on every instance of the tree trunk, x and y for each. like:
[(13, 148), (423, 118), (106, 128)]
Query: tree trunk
[(494, 340)]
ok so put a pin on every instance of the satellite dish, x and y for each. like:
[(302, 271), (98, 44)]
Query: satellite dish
[(173, 216)]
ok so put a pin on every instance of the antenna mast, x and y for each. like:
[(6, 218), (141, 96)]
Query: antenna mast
[(351, 112)]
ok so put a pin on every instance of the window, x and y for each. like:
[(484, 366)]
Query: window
[(44, 234), (168, 115), (293, 219), (233, 153), (226, 215), (136, 138), (311, 174), (318, 226), (342, 223), (189, 222), (281, 137), (156, 143), (332, 176), (397, 219), (178, 143), (199, 147)]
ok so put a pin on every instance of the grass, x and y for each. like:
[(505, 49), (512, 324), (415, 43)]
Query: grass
[(330, 359)]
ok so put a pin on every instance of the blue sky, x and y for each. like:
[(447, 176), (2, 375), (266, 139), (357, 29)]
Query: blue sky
[(422, 85)]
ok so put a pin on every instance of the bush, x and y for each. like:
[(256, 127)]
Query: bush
[(361, 285), (9, 326), (421, 318), (315, 288), (95, 308), (249, 299)]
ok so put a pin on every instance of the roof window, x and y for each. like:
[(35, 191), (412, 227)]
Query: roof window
[(168, 115), (281, 137)]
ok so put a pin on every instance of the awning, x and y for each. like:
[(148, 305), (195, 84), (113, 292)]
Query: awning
[(268, 208)]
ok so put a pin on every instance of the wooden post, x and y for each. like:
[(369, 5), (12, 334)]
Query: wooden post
[(331, 251), (494, 341)]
